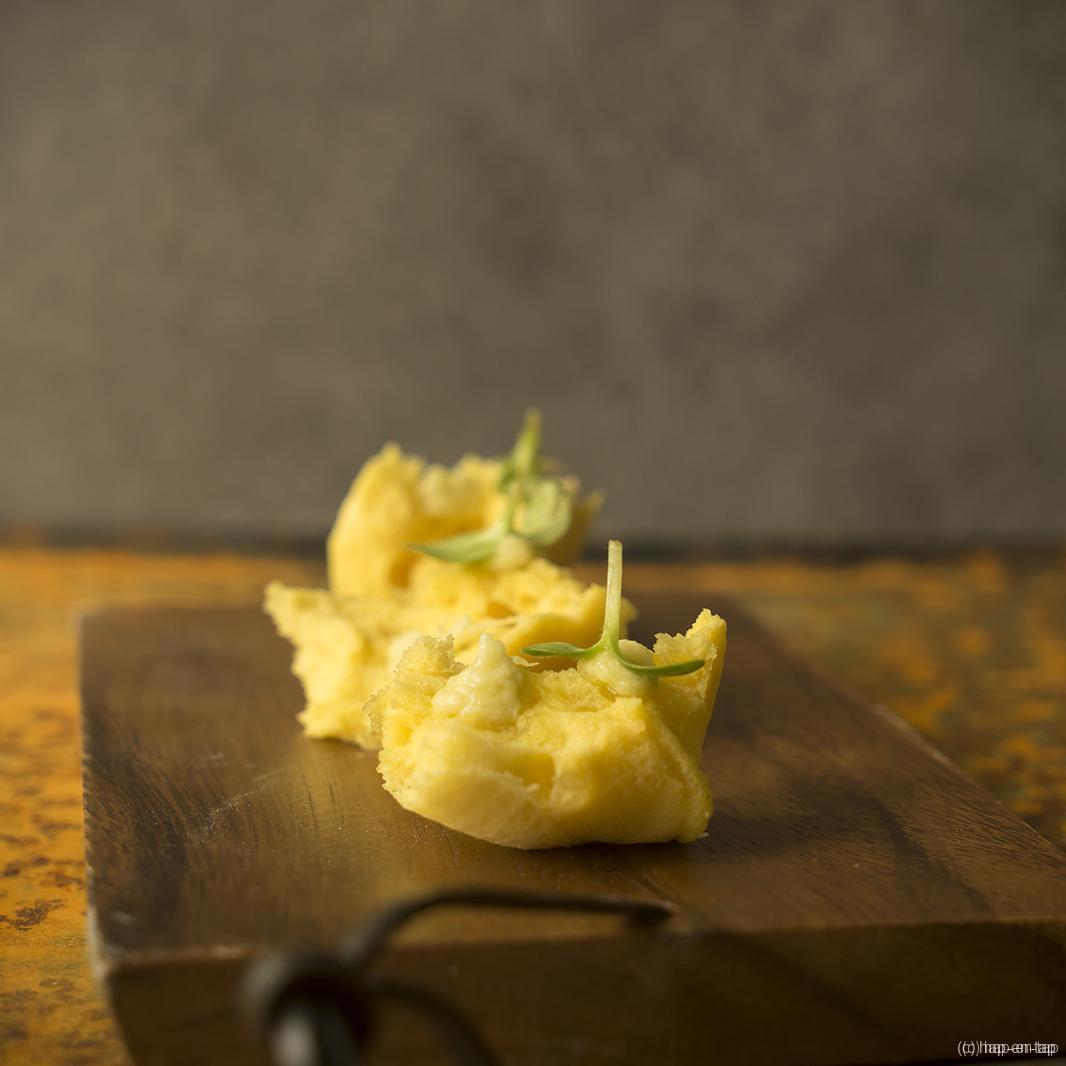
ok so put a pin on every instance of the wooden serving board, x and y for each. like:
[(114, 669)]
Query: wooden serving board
[(857, 899)]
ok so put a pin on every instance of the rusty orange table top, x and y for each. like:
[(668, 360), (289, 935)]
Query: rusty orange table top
[(970, 649)]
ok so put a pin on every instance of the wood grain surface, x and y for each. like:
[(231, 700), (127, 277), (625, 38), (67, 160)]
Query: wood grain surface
[(970, 649), (848, 871)]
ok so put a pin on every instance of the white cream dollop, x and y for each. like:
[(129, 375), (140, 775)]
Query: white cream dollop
[(487, 691), (606, 669)]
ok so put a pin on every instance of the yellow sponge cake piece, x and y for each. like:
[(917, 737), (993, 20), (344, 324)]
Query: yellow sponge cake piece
[(397, 500), (540, 758), (345, 649)]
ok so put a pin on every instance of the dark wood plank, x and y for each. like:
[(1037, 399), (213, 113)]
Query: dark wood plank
[(857, 898)]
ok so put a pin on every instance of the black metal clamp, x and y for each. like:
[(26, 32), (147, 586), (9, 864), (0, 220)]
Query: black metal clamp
[(317, 1008)]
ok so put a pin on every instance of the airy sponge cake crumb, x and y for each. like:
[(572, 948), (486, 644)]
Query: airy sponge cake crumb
[(575, 762)]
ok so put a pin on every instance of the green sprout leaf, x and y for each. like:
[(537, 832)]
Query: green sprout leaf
[(523, 464), (612, 628), (465, 547), (542, 500), (689, 666), (558, 647)]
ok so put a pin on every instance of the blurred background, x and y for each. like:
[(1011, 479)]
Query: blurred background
[(789, 273)]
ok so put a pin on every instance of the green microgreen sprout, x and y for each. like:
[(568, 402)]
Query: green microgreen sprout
[(538, 508), (612, 627), (524, 461)]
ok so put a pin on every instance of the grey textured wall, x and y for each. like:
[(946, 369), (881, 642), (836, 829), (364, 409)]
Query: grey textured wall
[(771, 269)]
